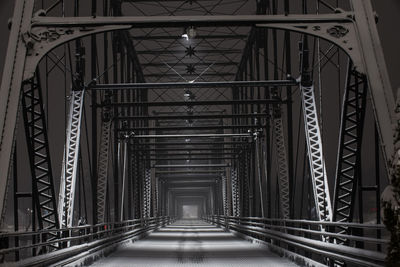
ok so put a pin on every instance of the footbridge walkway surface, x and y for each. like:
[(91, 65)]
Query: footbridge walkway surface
[(192, 243)]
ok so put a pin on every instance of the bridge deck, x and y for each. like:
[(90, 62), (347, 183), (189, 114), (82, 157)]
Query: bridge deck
[(190, 242)]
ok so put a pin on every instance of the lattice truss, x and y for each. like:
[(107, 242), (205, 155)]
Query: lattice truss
[(348, 169), (136, 184), (147, 193), (39, 154), (224, 194), (281, 159), (246, 183), (102, 172), (70, 161), (235, 192), (315, 155), (156, 198)]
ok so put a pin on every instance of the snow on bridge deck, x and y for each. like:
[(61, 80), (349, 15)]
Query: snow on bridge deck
[(192, 243)]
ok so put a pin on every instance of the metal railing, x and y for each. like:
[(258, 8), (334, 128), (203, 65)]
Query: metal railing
[(26, 245), (304, 237)]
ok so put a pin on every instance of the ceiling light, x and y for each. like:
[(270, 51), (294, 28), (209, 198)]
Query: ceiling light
[(186, 36)]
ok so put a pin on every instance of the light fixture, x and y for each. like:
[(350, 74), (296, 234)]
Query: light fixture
[(186, 36)]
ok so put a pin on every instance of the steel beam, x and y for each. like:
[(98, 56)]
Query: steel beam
[(170, 37), (200, 103), (190, 136), (191, 159), (188, 85), (191, 166), (189, 172), (348, 166), (10, 92), (183, 21), (190, 128), (39, 155), (183, 52), (192, 117), (186, 149), (182, 64), (376, 72), (189, 143), (70, 162), (102, 171), (316, 156), (188, 75)]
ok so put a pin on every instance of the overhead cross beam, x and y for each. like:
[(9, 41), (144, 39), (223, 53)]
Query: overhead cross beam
[(200, 103), (166, 37), (189, 85), (193, 117)]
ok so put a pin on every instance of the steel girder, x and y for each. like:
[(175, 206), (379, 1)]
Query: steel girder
[(39, 154), (136, 184), (10, 93), (189, 85), (224, 194), (103, 158), (246, 184), (156, 210), (235, 193), (146, 194), (199, 103), (102, 172), (315, 155), (70, 162), (283, 173), (124, 154), (348, 168)]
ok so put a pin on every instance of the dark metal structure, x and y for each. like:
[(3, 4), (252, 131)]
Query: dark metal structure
[(253, 111)]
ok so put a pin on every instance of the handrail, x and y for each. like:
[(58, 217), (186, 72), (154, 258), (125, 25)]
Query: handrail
[(308, 241), (325, 223), (73, 236)]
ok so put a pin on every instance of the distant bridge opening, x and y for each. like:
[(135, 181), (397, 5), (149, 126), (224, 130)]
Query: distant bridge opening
[(190, 212)]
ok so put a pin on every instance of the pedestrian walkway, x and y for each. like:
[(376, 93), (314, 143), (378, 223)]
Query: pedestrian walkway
[(192, 243)]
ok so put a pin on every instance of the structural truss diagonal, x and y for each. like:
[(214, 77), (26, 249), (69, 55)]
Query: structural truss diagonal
[(315, 155), (70, 162), (283, 173), (39, 154), (103, 170), (349, 154)]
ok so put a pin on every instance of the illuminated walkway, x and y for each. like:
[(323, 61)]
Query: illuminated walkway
[(189, 243)]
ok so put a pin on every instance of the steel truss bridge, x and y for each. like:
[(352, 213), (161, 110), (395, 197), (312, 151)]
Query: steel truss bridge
[(274, 120)]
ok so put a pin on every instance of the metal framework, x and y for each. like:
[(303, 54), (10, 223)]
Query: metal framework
[(315, 155), (224, 195), (349, 158), (235, 193), (282, 166), (103, 162), (186, 101), (146, 194), (70, 162), (39, 154)]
